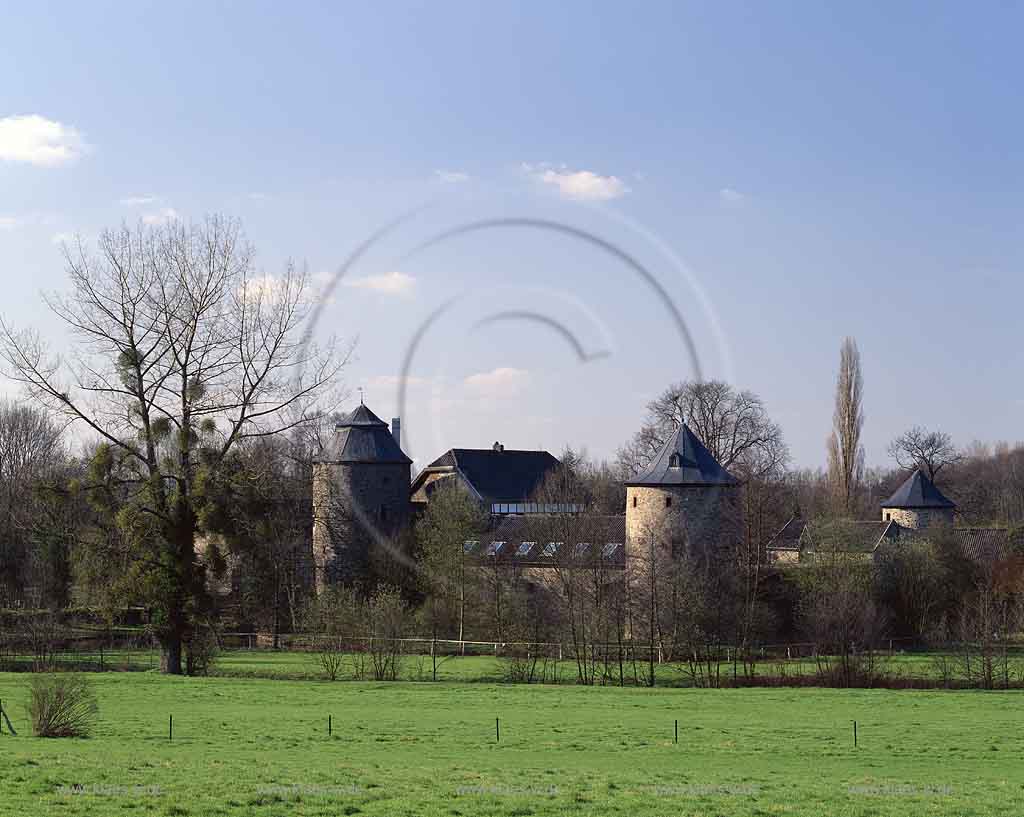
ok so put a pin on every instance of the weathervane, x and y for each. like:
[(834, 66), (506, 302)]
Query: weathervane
[(361, 396)]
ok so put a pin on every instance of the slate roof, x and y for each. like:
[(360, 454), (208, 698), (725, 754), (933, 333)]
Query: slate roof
[(851, 536), (499, 476), (549, 540), (683, 460), (918, 491), (788, 537), (362, 437), (984, 545), (846, 535)]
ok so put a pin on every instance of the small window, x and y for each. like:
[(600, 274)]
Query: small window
[(888, 516), (550, 549), (582, 548), (675, 461), (524, 548), (493, 548), (469, 545), (634, 502), (668, 502), (610, 549)]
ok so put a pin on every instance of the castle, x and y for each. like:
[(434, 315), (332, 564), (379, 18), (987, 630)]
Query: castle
[(683, 503), (364, 501)]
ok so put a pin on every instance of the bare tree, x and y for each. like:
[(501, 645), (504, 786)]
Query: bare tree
[(837, 610), (914, 581), (931, 451), (182, 353), (588, 585), (31, 452), (734, 425), (845, 451)]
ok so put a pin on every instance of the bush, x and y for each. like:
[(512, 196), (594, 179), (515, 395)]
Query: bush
[(335, 618), (62, 705), (201, 651), (388, 617)]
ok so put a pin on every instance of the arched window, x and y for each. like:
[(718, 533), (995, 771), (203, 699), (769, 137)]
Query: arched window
[(675, 461)]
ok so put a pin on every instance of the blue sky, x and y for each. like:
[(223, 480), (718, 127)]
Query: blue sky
[(790, 173)]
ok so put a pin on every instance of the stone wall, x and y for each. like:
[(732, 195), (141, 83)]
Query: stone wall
[(919, 518), (359, 509), (693, 519)]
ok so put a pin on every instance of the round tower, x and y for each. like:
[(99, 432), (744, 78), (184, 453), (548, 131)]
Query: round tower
[(918, 504), (683, 502), (360, 498)]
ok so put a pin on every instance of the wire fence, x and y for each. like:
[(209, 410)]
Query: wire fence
[(134, 649)]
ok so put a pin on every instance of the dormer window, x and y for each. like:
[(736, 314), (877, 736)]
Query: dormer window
[(675, 461)]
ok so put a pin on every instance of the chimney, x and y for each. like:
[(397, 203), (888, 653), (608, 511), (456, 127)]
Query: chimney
[(396, 430), (498, 446)]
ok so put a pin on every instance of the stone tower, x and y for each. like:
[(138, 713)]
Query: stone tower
[(360, 498), (684, 501), (918, 504)]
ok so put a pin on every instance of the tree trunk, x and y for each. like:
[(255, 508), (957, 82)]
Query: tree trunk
[(181, 537), (170, 654)]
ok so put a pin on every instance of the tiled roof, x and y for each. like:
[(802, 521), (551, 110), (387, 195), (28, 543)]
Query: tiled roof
[(683, 460), (918, 491), (983, 544)]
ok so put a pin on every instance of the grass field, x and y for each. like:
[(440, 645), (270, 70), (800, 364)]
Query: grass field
[(261, 747), (299, 665)]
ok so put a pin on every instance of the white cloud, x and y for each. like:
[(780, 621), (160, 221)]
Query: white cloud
[(266, 288), (389, 283), (504, 380), (271, 289), (138, 201), (39, 141), (582, 185), (452, 176), (162, 216), (730, 196), (29, 219)]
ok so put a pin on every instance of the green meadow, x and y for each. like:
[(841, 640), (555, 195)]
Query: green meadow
[(261, 747)]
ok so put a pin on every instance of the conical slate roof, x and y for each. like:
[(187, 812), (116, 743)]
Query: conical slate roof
[(918, 492), (362, 437), (683, 460)]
